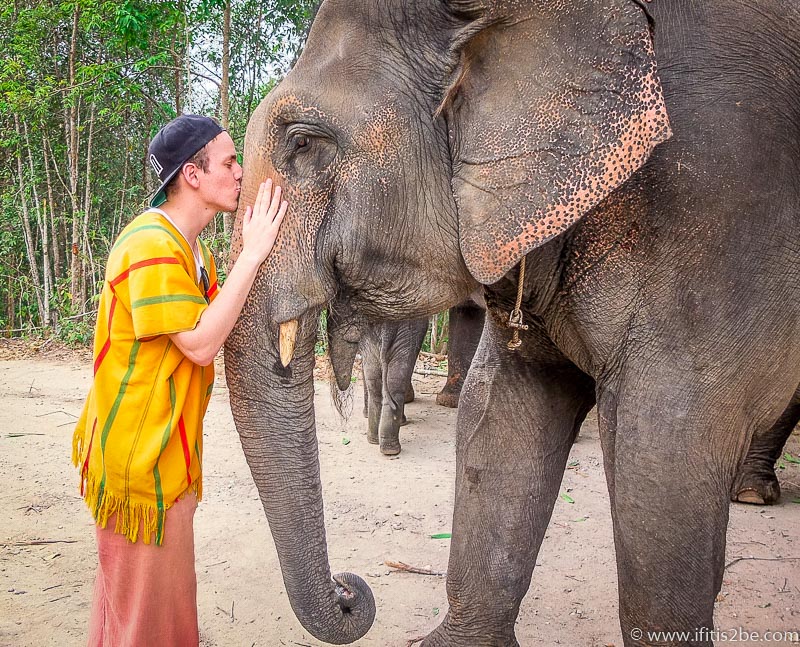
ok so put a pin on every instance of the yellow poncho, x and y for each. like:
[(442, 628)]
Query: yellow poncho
[(139, 441)]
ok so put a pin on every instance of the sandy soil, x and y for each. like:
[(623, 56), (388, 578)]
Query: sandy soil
[(377, 509)]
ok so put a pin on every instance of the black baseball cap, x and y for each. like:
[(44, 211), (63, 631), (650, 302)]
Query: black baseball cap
[(175, 144)]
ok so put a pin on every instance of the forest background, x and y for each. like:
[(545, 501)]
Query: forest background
[(84, 86)]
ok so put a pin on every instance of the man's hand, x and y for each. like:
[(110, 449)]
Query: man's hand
[(261, 222), (259, 230)]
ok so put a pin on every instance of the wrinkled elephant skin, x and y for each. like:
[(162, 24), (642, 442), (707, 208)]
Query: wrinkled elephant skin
[(647, 173)]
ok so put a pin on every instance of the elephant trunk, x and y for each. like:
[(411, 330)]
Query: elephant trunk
[(273, 407)]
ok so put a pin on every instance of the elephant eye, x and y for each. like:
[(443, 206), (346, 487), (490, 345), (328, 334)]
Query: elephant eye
[(309, 149), (300, 143)]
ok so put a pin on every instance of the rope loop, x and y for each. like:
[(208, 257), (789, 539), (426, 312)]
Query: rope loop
[(515, 318)]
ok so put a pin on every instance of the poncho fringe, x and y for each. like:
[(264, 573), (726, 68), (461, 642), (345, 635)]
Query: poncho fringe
[(130, 516)]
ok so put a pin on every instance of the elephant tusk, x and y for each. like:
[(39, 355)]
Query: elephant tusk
[(288, 336)]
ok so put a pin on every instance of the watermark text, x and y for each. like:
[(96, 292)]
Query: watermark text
[(704, 634)]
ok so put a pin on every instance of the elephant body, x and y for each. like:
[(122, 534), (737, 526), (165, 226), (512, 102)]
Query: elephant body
[(646, 169)]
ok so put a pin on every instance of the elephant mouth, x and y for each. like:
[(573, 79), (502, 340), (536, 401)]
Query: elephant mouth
[(343, 340)]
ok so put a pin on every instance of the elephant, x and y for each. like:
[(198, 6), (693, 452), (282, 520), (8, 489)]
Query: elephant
[(756, 481), (465, 325), (389, 351), (621, 180)]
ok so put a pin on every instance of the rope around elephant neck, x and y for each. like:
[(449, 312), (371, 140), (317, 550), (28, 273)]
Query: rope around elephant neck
[(515, 319)]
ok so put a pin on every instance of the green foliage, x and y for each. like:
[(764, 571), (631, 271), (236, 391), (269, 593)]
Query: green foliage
[(438, 334), (76, 332), (219, 243), (321, 347), (117, 70)]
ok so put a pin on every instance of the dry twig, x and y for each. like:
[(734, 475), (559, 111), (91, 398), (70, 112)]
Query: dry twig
[(400, 566), (39, 542), (761, 559), (424, 371)]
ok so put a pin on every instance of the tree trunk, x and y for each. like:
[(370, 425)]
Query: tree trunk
[(116, 225), (180, 59), (224, 98), (56, 243), (26, 225), (255, 70), (40, 210), (71, 128), (87, 209), (10, 307), (147, 170)]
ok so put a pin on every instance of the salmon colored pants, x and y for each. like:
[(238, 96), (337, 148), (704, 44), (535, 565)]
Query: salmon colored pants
[(146, 595)]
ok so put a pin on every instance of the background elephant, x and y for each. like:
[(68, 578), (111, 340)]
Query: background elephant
[(756, 481), (389, 352), (465, 327), (645, 170)]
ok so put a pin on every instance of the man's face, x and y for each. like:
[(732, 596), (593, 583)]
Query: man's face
[(221, 184)]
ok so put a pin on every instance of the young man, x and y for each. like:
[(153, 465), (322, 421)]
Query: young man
[(161, 321)]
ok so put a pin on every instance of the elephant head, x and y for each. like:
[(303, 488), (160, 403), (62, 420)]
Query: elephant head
[(425, 146)]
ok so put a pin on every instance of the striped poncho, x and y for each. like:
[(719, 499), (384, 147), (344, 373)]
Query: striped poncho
[(139, 443)]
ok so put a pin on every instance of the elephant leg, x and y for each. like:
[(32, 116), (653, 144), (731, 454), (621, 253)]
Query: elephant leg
[(392, 414), (508, 472), (756, 481), (669, 528), (410, 395), (670, 471), (366, 393), (400, 349), (373, 386), (465, 328)]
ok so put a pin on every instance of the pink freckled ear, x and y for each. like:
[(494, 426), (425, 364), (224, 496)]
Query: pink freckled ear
[(542, 137)]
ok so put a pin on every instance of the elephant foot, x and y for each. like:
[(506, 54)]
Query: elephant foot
[(447, 398), (390, 449), (756, 488), (390, 446), (372, 437), (403, 421), (440, 638)]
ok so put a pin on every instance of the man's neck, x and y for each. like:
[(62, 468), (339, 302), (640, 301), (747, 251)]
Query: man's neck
[(189, 218)]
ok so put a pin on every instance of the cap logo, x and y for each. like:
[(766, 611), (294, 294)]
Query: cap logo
[(156, 165)]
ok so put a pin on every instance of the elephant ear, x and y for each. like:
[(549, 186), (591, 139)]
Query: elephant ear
[(552, 105)]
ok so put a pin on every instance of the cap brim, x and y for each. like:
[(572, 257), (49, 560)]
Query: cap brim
[(160, 196), (158, 199)]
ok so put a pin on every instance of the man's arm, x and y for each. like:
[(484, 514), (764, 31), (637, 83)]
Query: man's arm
[(259, 230)]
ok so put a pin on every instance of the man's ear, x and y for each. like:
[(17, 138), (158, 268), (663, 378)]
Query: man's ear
[(190, 173)]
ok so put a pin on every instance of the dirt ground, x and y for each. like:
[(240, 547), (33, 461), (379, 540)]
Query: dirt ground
[(377, 509)]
